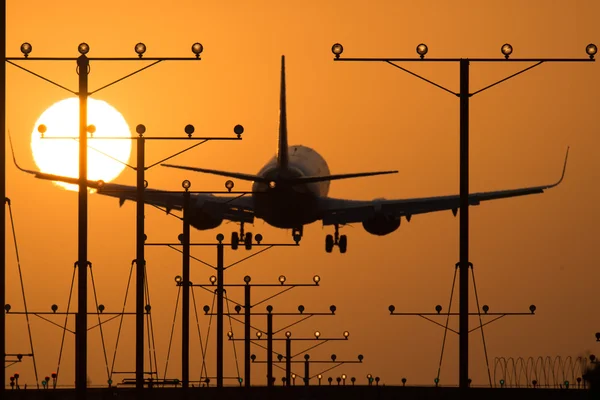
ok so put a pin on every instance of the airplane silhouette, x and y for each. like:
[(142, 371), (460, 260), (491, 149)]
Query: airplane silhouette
[(290, 191)]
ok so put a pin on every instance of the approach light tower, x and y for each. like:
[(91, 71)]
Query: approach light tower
[(83, 62), (464, 94)]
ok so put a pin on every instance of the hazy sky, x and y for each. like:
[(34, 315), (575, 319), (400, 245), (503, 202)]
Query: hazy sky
[(360, 116)]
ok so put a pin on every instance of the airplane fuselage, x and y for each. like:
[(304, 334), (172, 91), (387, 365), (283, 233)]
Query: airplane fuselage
[(291, 206)]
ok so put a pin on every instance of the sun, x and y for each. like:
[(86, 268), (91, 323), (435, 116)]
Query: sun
[(61, 156)]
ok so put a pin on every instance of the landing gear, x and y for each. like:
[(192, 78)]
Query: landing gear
[(235, 240), (297, 234), (336, 240), (248, 241), (241, 237)]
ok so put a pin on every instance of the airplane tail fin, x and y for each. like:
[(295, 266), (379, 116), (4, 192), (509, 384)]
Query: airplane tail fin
[(282, 148)]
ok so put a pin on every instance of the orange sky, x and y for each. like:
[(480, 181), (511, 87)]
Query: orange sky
[(360, 117)]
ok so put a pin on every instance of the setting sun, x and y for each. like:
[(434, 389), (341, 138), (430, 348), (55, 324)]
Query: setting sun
[(61, 156)]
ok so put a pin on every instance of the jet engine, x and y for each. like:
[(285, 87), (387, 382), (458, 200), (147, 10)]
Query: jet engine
[(381, 224), (202, 221)]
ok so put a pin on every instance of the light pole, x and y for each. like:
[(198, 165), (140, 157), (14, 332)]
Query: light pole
[(83, 64), (248, 306), (464, 95), (307, 376), (217, 280), (438, 312), (3, 194), (288, 350)]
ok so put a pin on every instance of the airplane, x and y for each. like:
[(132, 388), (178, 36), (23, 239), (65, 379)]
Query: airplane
[(291, 191)]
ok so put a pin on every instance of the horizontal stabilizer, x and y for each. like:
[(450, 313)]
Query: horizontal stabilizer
[(236, 175), (313, 179)]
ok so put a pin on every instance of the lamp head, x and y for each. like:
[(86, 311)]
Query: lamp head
[(186, 185), (532, 308), (26, 49), (178, 279), (337, 49), (346, 334), (332, 308), (301, 308), (507, 50), (140, 49), (282, 279), (360, 357), (212, 279), (316, 279), (598, 336), (258, 334), (230, 334), (197, 49), (590, 49), (258, 237), (306, 357), (247, 279), (238, 130), (422, 49), (189, 130), (140, 129), (238, 308), (220, 237), (83, 48), (229, 185), (485, 308), (438, 309), (392, 308), (317, 334), (206, 309), (288, 334)]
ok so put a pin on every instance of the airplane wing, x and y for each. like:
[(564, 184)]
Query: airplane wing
[(232, 208), (340, 211)]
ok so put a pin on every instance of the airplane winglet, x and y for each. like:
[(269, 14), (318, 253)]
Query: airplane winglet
[(12, 149), (563, 171)]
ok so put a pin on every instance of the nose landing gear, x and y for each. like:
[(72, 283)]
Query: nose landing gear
[(336, 240)]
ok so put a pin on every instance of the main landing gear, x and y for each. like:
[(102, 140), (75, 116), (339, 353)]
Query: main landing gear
[(336, 240), (244, 238)]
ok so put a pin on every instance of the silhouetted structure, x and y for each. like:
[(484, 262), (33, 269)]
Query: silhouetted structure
[(467, 199)]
